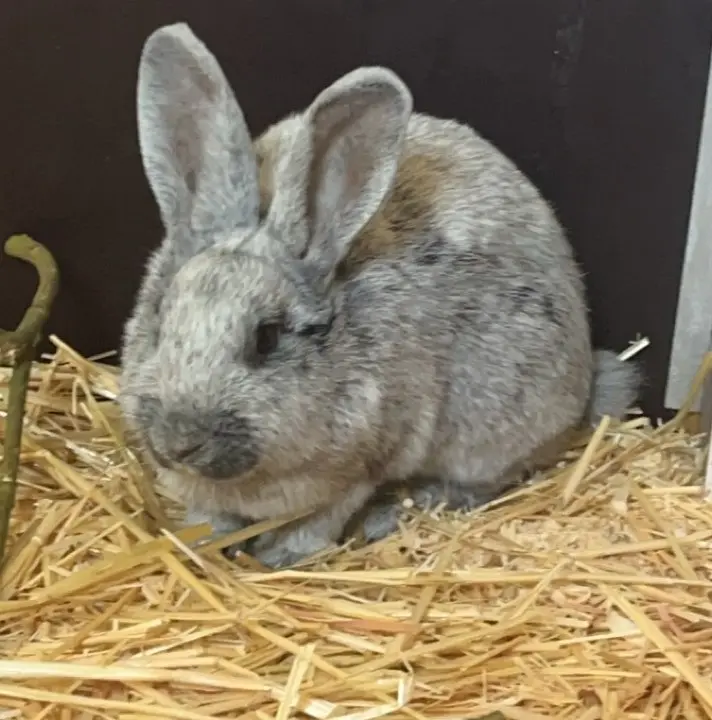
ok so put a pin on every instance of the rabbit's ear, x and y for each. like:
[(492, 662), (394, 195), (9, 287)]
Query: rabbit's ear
[(340, 165), (195, 144)]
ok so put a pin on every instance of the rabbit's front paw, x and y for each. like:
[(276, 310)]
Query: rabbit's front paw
[(280, 549), (430, 494), (381, 520), (382, 515), (279, 556), (222, 524)]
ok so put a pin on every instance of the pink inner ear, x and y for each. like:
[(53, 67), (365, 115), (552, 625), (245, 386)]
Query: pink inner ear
[(347, 137), (206, 85)]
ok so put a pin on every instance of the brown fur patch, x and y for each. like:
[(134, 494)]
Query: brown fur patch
[(408, 212), (265, 169)]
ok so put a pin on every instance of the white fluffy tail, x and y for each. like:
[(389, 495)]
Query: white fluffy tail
[(615, 386)]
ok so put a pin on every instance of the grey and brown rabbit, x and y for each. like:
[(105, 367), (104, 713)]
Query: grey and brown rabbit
[(406, 307)]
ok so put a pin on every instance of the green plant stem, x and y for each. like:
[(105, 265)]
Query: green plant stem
[(17, 349)]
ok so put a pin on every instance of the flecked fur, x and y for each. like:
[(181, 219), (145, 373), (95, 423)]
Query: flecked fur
[(430, 318)]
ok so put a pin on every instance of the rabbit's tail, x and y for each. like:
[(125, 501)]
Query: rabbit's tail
[(615, 386)]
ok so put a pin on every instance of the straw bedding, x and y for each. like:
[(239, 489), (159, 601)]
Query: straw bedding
[(586, 596)]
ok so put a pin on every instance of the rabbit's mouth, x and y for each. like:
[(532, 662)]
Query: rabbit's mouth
[(214, 457), (211, 467), (216, 444)]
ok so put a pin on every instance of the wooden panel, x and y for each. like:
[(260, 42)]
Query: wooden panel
[(692, 336)]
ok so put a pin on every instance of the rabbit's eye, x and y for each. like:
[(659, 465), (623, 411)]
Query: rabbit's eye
[(267, 337), (315, 330)]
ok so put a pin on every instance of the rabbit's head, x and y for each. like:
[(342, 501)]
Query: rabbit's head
[(225, 359)]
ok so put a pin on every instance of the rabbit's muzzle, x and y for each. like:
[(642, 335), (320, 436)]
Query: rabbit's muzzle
[(217, 446)]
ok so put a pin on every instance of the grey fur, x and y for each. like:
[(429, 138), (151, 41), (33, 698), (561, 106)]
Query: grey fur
[(430, 318)]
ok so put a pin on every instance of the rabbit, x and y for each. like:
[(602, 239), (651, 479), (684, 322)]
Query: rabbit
[(361, 294)]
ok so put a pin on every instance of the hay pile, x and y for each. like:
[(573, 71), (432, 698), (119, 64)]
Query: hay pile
[(586, 597)]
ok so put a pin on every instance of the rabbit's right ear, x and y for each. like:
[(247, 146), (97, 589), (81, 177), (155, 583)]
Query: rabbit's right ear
[(339, 166), (195, 145)]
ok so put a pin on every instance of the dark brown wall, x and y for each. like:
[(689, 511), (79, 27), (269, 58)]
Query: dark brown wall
[(599, 101)]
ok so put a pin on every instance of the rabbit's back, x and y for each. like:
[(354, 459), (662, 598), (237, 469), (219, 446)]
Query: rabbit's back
[(455, 196)]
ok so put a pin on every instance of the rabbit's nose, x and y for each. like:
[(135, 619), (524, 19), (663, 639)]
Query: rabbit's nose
[(171, 447)]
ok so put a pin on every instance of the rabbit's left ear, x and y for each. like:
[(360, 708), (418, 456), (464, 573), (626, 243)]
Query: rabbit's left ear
[(195, 144), (340, 165)]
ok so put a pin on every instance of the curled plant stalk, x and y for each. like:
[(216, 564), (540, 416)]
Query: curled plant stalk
[(17, 349)]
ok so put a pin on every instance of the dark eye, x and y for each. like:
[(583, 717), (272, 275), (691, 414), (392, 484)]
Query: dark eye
[(267, 337), (315, 330)]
